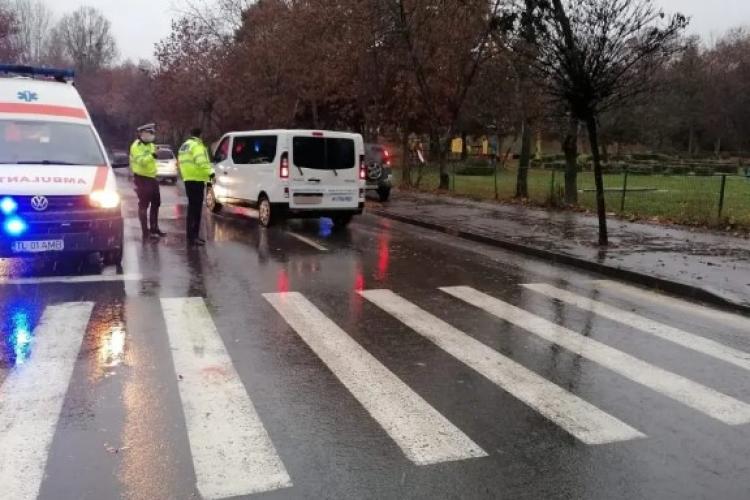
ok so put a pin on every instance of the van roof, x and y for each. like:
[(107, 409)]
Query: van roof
[(28, 99), (293, 131)]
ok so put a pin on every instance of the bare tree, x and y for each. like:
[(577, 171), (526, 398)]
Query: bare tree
[(86, 36), (444, 43), (34, 23), (8, 30), (594, 55)]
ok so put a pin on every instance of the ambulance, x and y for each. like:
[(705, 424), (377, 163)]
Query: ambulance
[(58, 193)]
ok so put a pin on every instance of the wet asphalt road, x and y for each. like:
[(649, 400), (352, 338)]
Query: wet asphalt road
[(187, 372)]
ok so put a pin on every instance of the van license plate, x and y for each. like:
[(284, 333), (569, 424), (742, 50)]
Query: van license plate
[(38, 246), (342, 198)]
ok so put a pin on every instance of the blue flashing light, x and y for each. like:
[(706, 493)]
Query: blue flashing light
[(15, 226), (8, 205), (58, 74)]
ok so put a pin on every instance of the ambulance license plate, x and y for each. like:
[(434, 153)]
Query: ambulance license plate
[(38, 246)]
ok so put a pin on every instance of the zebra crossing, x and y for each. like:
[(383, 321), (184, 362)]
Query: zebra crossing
[(233, 453)]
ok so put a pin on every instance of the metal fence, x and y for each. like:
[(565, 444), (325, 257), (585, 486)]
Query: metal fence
[(720, 199)]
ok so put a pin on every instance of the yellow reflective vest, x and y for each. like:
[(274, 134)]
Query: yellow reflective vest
[(142, 161), (195, 164)]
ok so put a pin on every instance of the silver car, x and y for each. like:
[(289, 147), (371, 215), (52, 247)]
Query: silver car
[(166, 165)]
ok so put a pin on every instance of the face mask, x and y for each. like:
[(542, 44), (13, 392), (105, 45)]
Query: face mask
[(148, 137)]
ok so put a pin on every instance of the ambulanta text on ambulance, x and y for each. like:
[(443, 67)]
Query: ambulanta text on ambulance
[(58, 193)]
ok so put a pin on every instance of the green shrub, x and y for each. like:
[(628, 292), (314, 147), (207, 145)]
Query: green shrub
[(703, 171)]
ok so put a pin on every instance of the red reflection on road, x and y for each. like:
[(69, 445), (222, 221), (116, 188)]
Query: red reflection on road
[(282, 282), (384, 255)]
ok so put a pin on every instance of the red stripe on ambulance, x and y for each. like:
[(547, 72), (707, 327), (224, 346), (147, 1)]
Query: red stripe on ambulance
[(100, 179), (43, 109)]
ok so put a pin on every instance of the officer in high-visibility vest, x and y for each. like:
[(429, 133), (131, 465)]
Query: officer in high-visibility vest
[(143, 165), (196, 171)]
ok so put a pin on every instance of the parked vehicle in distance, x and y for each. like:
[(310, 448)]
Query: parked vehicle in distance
[(119, 159), (290, 174), (379, 174), (166, 165)]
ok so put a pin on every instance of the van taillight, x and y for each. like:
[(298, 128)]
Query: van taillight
[(284, 169), (362, 168)]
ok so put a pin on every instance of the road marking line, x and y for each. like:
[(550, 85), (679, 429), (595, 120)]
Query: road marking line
[(578, 417), (232, 453), (655, 328), (92, 278), (735, 320), (32, 396), (310, 242), (423, 434), (690, 393)]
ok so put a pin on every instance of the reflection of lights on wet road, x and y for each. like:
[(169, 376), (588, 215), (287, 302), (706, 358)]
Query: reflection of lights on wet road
[(384, 255), (112, 348), (325, 228), (282, 282), (21, 336)]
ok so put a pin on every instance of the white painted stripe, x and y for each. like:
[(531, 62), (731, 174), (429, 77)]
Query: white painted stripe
[(130, 261), (32, 397), (310, 242), (581, 419), (655, 328), (692, 394), (424, 435), (725, 318), (90, 278), (232, 453)]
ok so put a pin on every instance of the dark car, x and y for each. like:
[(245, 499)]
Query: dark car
[(379, 175)]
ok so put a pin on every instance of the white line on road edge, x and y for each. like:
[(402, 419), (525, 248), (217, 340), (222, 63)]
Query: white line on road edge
[(578, 417), (704, 399), (91, 278), (310, 242), (655, 328), (232, 453), (726, 318), (32, 397), (425, 436)]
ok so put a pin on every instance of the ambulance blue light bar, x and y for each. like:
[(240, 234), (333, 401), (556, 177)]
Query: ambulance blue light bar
[(57, 74)]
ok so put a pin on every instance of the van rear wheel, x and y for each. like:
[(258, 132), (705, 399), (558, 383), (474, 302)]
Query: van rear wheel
[(265, 212)]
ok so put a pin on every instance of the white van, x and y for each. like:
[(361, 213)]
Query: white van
[(58, 193), (290, 173)]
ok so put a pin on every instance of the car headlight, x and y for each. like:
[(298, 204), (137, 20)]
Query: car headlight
[(105, 199)]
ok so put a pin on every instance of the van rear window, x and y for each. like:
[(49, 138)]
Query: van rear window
[(323, 153), (53, 143)]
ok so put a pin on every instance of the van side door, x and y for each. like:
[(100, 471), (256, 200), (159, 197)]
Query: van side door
[(223, 168)]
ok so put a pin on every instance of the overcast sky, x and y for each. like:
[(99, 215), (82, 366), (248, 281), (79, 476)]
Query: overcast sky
[(138, 24)]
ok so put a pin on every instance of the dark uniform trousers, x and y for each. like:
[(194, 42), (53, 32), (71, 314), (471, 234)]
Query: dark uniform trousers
[(195, 191), (149, 201)]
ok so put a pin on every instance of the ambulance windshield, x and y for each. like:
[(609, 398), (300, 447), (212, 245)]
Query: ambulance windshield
[(48, 143)]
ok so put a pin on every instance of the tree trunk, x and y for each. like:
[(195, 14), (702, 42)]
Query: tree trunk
[(437, 150), (522, 182), (570, 148), (315, 113), (405, 159), (717, 148), (601, 208)]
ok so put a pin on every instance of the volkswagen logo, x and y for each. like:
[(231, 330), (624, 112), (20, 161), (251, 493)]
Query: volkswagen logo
[(39, 203)]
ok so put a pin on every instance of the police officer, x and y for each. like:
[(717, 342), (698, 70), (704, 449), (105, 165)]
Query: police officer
[(196, 171), (143, 165)]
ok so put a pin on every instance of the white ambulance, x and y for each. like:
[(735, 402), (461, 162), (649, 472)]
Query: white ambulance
[(58, 193), (290, 174)]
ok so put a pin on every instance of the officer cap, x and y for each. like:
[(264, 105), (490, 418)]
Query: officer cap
[(149, 127)]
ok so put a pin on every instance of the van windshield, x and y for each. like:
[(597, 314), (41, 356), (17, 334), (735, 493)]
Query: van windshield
[(48, 143), (323, 153)]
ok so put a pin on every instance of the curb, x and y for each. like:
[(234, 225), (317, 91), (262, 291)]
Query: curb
[(672, 287)]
